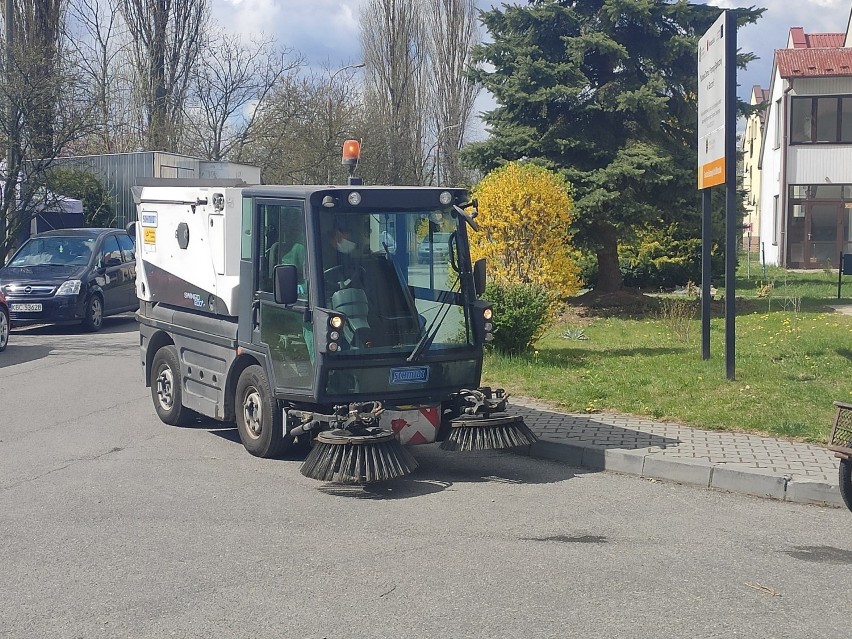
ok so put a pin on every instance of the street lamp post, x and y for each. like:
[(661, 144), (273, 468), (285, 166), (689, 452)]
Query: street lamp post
[(359, 65)]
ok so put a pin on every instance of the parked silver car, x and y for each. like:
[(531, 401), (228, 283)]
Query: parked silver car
[(437, 248)]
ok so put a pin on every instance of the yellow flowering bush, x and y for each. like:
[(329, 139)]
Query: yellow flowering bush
[(524, 218)]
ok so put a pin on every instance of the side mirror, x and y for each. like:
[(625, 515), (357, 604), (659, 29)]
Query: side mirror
[(286, 284), (479, 277), (130, 229), (113, 261)]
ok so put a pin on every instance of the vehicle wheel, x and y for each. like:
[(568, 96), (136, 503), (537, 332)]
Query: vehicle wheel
[(93, 321), (259, 421), (4, 329), (166, 388), (845, 481)]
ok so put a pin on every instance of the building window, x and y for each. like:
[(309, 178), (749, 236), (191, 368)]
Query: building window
[(778, 123), (846, 122), (798, 192), (826, 120)]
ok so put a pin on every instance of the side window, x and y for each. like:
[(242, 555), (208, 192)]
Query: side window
[(110, 252), (128, 250), (801, 120), (282, 241)]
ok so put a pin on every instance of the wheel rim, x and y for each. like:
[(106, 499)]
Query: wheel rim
[(253, 413), (97, 311), (4, 329), (165, 388)]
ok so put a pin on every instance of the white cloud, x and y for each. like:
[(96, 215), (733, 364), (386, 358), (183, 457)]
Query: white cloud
[(324, 31), (770, 32)]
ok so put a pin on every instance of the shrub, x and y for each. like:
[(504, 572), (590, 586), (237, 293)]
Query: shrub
[(521, 314), (661, 260), (525, 212), (677, 314), (98, 206)]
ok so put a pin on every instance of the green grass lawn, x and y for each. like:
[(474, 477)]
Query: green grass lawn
[(793, 358)]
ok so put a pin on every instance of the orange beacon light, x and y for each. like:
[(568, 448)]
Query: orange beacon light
[(351, 152)]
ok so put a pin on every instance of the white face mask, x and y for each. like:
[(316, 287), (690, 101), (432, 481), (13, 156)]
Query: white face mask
[(345, 246)]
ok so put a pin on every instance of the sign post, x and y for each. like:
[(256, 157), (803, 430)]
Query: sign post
[(717, 114)]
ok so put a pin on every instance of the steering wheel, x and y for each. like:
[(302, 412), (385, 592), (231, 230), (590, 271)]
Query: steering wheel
[(339, 277)]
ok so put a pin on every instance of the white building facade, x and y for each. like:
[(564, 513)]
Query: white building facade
[(805, 198), (751, 143)]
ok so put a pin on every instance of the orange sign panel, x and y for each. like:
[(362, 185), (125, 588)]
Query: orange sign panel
[(712, 174)]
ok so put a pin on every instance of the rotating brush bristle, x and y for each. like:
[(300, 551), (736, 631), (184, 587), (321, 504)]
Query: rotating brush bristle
[(339, 456), (488, 433)]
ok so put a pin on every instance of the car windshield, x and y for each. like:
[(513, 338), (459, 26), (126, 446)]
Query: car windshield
[(392, 291), (54, 251)]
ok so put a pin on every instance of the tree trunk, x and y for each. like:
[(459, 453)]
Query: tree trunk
[(609, 272)]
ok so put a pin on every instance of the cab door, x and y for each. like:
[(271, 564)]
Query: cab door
[(282, 239)]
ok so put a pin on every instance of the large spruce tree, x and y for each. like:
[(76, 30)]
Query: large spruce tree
[(604, 91)]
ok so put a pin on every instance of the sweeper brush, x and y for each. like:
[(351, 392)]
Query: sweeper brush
[(468, 433), (476, 429), (345, 458)]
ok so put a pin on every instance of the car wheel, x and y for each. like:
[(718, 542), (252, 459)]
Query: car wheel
[(259, 420), (93, 320), (4, 329), (166, 388)]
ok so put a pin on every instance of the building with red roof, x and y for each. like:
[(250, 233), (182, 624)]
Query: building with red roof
[(803, 192)]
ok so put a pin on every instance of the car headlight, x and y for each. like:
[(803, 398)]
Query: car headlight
[(71, 287)]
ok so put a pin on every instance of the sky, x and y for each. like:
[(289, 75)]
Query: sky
[(326, 33)]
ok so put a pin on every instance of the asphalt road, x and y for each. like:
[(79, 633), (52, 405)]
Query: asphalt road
[(113, 524)]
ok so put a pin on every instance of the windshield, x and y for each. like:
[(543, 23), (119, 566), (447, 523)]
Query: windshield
[(55, 250), (390, 273)]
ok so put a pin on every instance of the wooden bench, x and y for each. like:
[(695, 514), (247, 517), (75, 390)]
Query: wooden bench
[(840, 440)]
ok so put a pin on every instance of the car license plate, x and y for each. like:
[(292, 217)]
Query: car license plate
[(26, 308)]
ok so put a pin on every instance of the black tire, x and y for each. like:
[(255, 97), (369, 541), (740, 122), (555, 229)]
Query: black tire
[(4, 329), (93, 320), (845, 481), (166, 388), (259, 420)]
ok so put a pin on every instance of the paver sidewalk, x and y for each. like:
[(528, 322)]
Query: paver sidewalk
[(762, 466)]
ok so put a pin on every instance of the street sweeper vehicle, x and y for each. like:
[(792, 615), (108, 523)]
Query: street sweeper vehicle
[(345, 316)]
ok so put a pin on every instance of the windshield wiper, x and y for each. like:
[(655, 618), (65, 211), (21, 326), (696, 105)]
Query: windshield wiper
[(432, 331)]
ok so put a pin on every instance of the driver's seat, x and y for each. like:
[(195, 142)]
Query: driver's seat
[(352, 302)]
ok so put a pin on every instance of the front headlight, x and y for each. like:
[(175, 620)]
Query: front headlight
[(71, 287)]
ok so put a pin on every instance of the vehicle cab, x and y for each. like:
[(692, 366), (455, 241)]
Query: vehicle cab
[(339, 316)]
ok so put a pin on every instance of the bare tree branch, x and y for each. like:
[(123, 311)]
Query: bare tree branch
[(167, 38), (453, 32), (229, 88), (48, 113), (101, 40), (392, 38)]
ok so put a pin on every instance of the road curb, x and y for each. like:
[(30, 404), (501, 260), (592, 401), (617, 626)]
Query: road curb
[(749, 481), (697, 472), (814, 492)]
